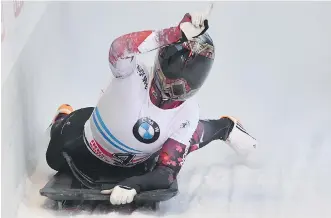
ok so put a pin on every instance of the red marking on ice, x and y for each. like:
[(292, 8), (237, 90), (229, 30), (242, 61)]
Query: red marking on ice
[(18, 5)]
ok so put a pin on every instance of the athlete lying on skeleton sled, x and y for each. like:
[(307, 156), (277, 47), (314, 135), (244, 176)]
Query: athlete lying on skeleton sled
[(140, 117)]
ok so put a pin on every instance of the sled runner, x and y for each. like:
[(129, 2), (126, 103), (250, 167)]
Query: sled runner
[(72, 186)]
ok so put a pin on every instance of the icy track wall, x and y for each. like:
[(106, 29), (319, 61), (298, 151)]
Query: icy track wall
[(21, 92), (272, 70)]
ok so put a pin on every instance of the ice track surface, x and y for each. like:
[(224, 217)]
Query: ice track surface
[(272, 70)]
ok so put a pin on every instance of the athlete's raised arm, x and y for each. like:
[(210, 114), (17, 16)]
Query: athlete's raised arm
[(124, 48)]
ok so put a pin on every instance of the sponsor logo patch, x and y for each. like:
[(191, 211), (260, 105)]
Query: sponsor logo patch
[(146, 130)]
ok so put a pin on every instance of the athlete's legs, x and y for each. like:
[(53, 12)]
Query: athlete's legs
[(66, 135)]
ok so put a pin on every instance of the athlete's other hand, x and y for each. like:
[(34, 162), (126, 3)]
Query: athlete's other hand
[(120, 194)]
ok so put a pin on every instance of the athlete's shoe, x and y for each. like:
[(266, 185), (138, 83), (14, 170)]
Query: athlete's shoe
[(63, 110), (239, 139)]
